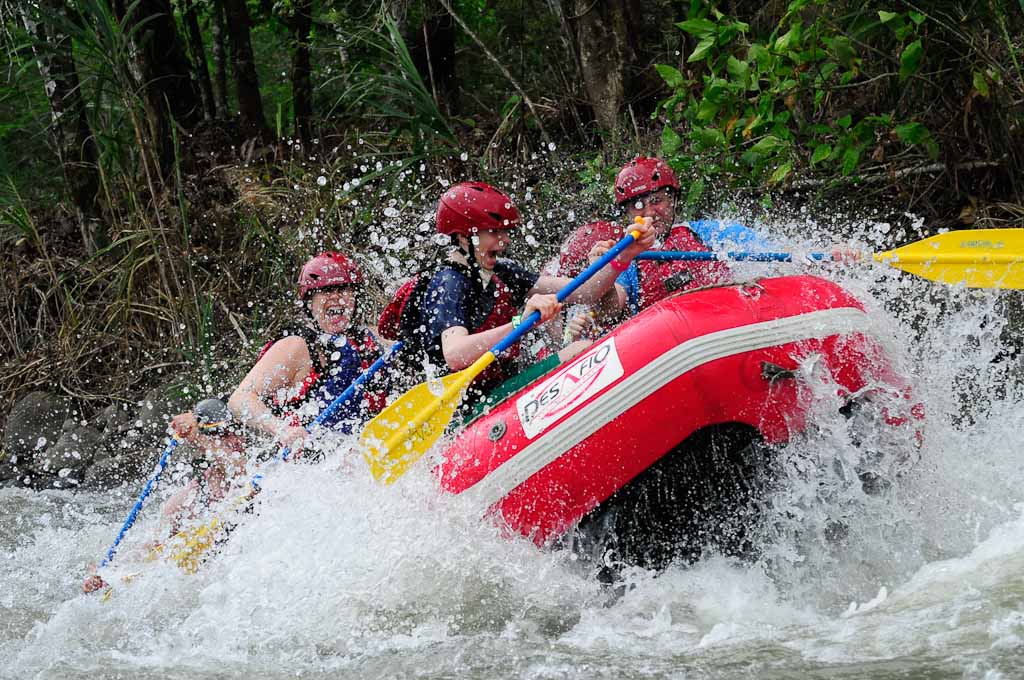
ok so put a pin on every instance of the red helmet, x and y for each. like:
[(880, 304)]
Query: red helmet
[(573, 258), (326, 270), (472, 206), (641, 176)]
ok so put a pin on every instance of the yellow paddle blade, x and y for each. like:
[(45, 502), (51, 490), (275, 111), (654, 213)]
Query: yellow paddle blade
[(188, 548), (406, 429), (976, 258)]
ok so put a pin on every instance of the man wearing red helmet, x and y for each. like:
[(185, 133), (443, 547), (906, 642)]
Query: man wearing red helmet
[(473, 299), (648, 188), (299, 374)]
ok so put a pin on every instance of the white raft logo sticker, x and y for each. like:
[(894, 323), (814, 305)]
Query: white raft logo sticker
[(569, 388)]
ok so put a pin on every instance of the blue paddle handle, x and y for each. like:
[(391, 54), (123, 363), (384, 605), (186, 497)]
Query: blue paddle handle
[(338, 402), (707, 256), (526, 324), (142, 499)]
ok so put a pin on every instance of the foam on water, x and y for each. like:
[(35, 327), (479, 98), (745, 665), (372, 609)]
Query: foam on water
[(335, 573)]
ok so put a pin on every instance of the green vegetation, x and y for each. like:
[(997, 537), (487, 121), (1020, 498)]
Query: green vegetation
[(165, 166)]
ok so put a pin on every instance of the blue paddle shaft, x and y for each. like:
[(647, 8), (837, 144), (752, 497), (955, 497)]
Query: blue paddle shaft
[(339, 401), (529, 322), (707, 256), (142, 499)]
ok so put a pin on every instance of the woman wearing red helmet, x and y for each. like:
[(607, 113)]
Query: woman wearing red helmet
[(299, 374), (454, 314)]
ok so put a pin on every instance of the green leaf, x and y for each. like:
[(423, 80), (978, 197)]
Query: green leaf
[(708, 137), (671, 75), (703, 47), (917, 17), (915, 133), (760, 54), (739, 70), (911, 133), (788, 39), (768, 144), (695, 191), (843, 50), (707, 110), (904, 31), (702, 28), (980, 84), (886, 17), (670, 141), (850, 160), (716, 90), (910, 59), (821, 152), (845, 121), (780, 173)]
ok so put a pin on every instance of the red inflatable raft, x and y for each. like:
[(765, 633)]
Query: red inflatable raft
[(655, 434)]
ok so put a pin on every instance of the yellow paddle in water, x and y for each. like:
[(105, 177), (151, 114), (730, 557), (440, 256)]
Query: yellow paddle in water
[(976, 258), (406, 429)]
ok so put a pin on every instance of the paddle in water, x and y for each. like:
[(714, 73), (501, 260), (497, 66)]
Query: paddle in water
[(975, 258), (408, 428), (146, 490), (189, 547)]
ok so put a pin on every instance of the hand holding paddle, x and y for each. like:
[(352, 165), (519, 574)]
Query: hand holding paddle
[(406, 430), (975, 258)]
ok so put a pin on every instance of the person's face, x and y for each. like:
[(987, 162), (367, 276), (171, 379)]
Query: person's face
[(488, 245), (333, 309), (659, 205)]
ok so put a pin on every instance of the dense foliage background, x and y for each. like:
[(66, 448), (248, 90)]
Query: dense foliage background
[(165, 165)]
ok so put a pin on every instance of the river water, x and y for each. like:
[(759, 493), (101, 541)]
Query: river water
[(339, 577)]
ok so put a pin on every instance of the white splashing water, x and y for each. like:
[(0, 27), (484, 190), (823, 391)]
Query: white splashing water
[(336, 574)]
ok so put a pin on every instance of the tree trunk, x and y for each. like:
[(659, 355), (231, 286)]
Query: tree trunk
[(165, 72), (606, 37), (70, 133), (302, 84), (432, 48), (247, 82), (220, 69), (195, 45)]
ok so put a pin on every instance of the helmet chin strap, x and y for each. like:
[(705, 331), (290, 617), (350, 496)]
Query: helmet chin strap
[(480, 274)]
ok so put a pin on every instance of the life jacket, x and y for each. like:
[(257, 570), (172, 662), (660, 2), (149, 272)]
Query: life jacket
[(348, 357), (400, 320), (659, 279)]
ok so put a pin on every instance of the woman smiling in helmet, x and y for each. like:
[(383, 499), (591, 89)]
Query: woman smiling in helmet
[(474, 298), (312, 363)]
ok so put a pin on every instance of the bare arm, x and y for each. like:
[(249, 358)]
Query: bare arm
[(179, 507), (460, 348), (600, 284), (285, 365)]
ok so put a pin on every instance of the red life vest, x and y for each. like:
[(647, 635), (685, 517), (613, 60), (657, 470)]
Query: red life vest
[(658, 280), (398, 320), (319, 375)]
